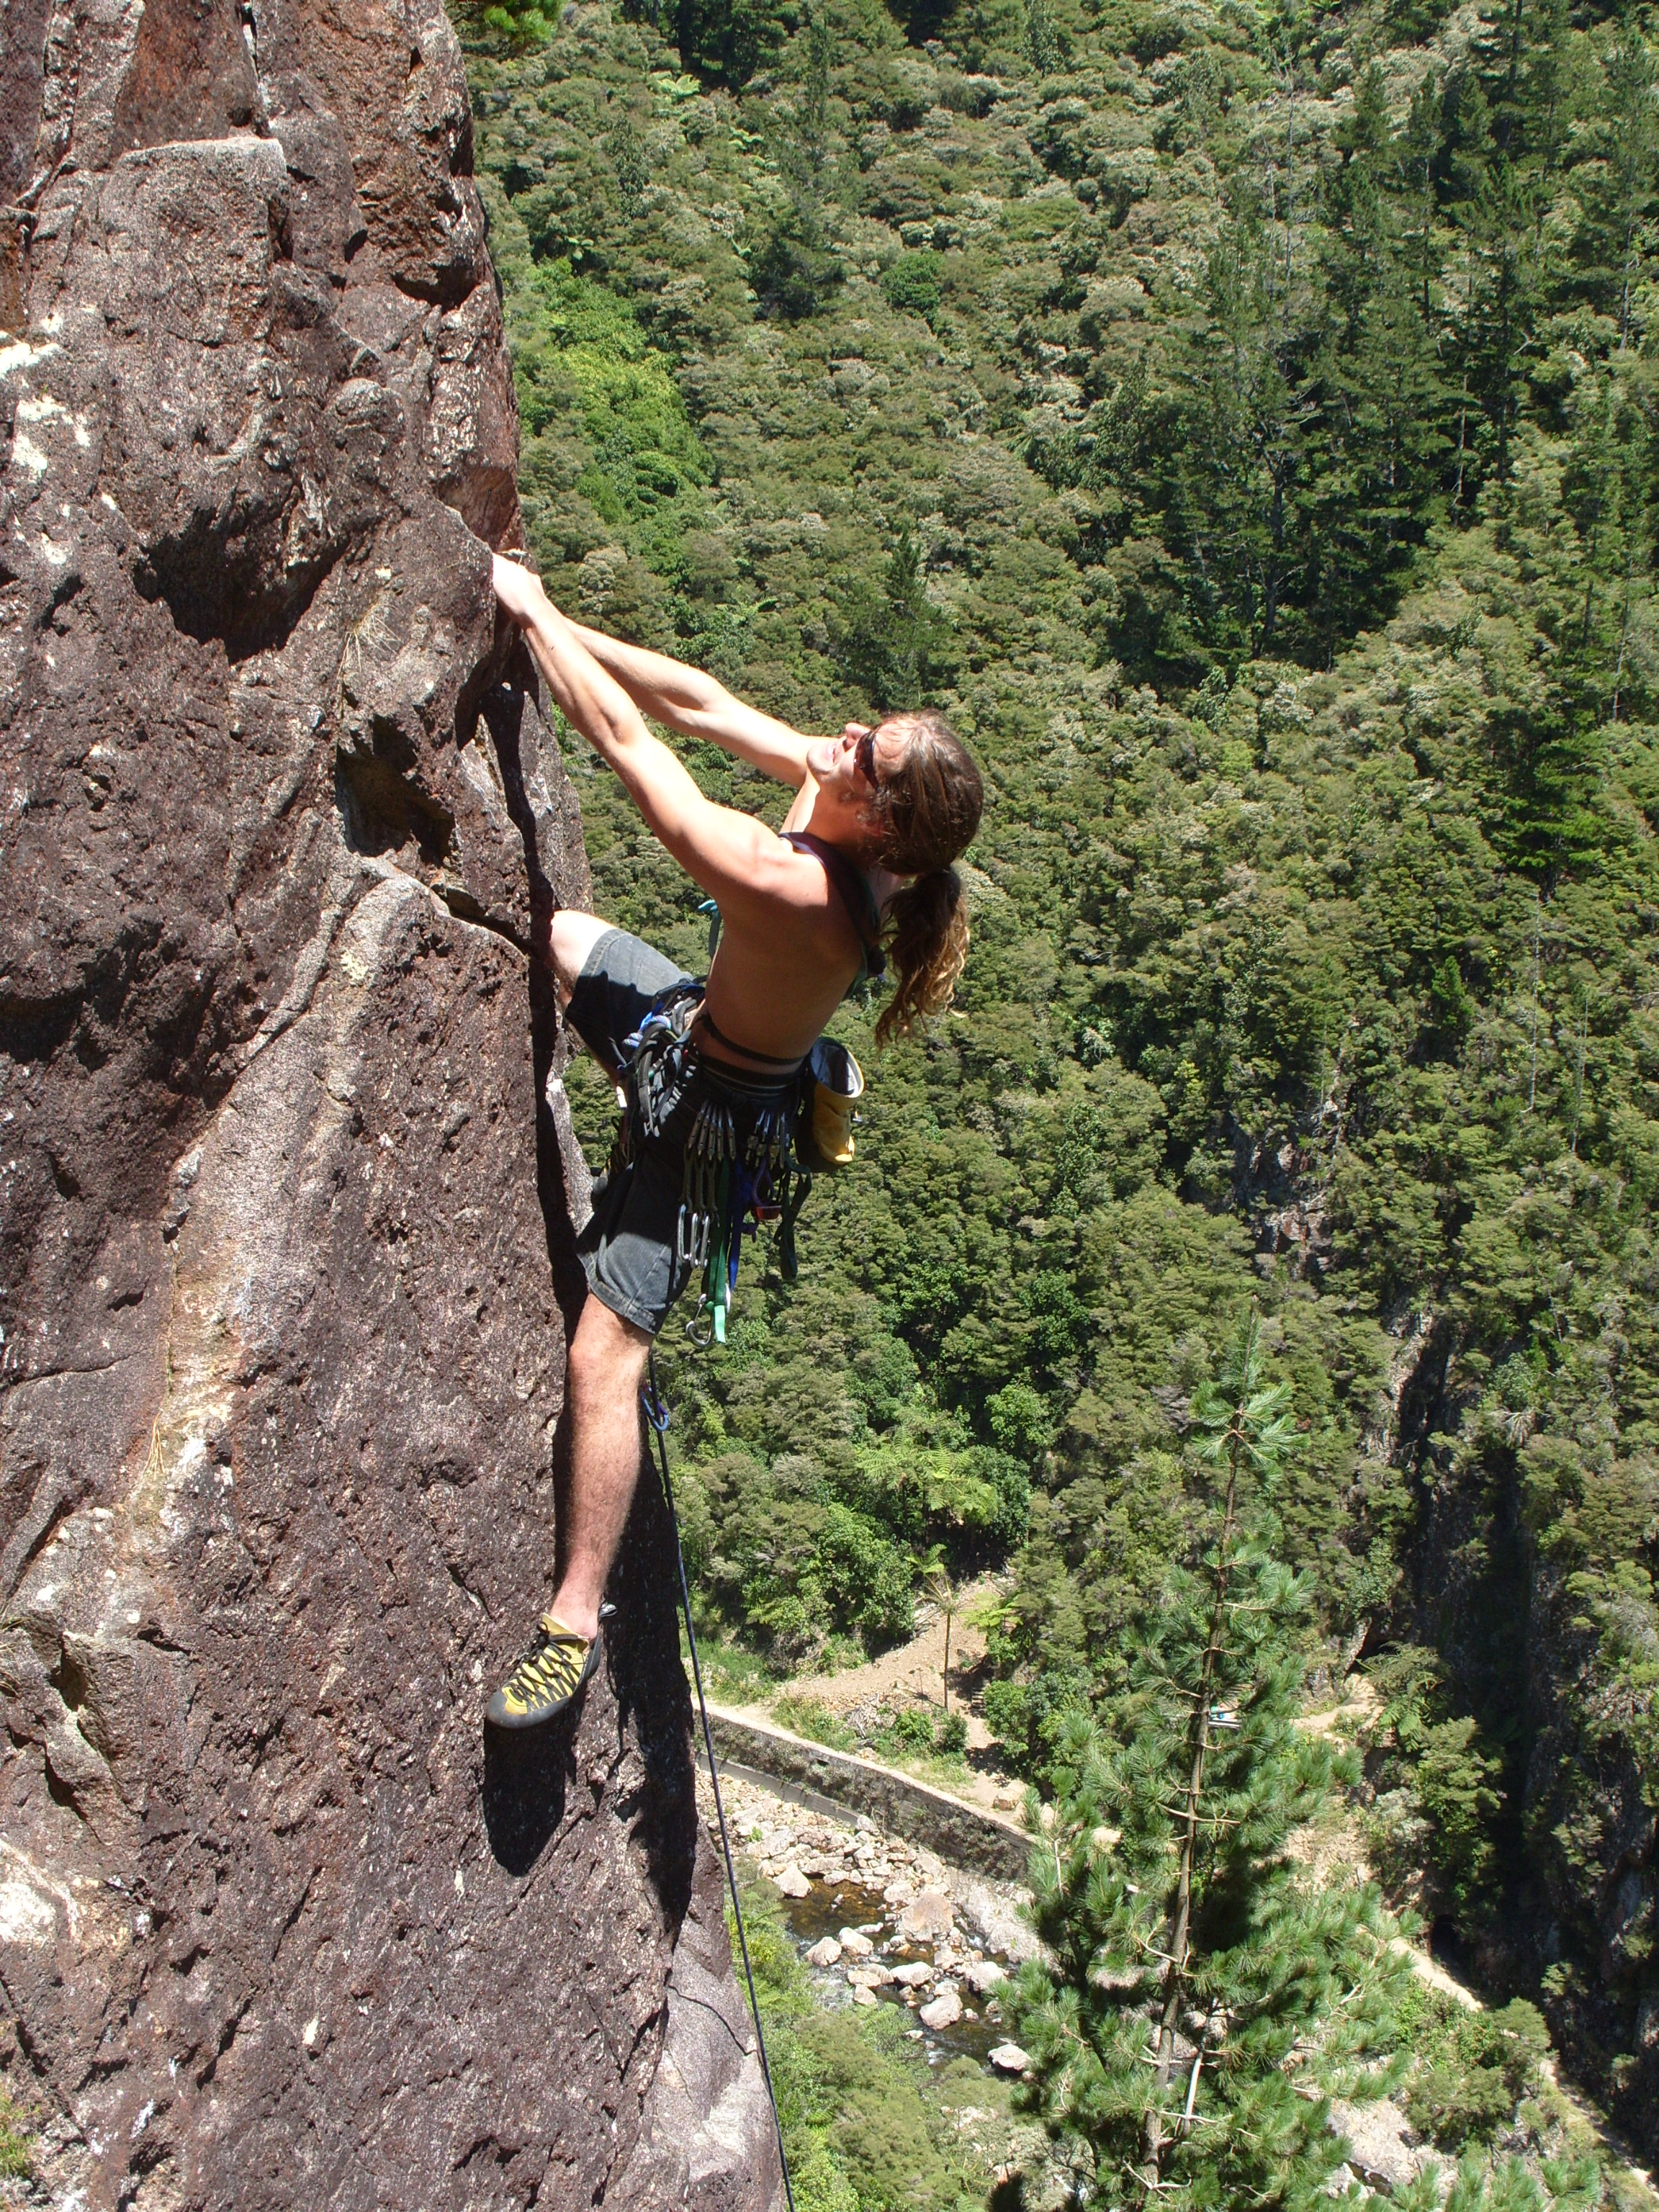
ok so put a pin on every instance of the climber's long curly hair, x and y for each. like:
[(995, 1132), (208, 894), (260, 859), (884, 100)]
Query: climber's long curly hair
[(924, 814)]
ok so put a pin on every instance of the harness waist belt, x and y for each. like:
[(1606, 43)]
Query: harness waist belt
[(769, 1059)]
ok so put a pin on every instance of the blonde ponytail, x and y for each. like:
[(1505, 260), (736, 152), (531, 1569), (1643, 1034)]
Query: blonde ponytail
[(924, 812), (927, 937)]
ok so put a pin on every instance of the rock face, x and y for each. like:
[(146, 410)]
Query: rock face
[(287, 1261)]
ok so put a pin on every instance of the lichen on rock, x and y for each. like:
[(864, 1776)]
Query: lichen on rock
[(287, 1261)]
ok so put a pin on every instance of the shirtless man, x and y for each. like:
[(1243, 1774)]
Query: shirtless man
[(900, 803)]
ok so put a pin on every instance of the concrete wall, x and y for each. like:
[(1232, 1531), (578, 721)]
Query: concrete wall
[(835, 1781)]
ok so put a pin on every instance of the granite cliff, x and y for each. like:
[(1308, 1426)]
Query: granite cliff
[(287, 1257)]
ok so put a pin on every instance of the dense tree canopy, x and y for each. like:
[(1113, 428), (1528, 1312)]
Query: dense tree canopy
[(1241, 421)]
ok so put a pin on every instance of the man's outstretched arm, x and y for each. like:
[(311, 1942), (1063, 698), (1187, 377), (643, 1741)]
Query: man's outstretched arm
[(729, 855), (699, 707)]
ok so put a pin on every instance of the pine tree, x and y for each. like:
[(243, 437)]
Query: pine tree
[(894, 642), (1242, 461), (628, 158), (1415, 150), (1621, 216), (727, 40), (812, 115), (1379, 452), (1042, 40), (1205, 2000), (1560, 2185)]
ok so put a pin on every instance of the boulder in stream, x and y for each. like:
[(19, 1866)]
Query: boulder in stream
[(929, 1917), (944, 2011)]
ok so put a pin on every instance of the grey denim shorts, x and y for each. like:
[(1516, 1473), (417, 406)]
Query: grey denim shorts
[(629, 1247)]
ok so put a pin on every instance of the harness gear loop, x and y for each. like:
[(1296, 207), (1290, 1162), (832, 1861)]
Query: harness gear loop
[(657, 1413), (754, 1144)]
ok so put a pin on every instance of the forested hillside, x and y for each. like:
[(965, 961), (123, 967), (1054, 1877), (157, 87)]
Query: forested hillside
[(1243, 423)]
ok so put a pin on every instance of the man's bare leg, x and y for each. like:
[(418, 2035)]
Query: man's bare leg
[(572, 936), (606, 1362)]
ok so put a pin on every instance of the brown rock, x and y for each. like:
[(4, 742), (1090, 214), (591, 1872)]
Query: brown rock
[(929, 1917), (286, 1263), (984, 1975), (1380, 2143)]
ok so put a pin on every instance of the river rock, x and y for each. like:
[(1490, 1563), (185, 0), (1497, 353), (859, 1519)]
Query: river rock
[(983, 1975), (792, 1883), (915, 1976), (927, 1918), (826, 1952), (1009, 2058), (1380, 2142), (288, 1256), (856, 1943), (944, 2011), (862, 1995), (867, 1977)]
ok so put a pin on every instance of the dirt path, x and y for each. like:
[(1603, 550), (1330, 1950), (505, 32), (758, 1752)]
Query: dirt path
[(911, 1675)]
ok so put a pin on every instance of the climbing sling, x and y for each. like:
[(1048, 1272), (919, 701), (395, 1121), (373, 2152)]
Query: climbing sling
[(734, 1132)]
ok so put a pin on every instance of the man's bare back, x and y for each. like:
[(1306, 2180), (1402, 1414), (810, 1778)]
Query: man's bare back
[(781, 970)]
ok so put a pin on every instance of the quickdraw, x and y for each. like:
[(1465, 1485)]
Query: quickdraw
[(731, 1185), (740, 1168)]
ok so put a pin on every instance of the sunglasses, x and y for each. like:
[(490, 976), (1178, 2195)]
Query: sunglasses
[(864, 758)]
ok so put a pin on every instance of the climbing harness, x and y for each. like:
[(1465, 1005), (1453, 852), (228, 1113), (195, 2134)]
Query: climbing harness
[(744, 1161), (799, 1122), (657, 1413), (732, 1182)]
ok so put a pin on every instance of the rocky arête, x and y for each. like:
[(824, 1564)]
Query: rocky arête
[(286, 1242)]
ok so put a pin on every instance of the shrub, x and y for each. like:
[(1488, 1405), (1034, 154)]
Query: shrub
[(1474, 2079), (951, 1736), (914, 1730), (16, 2153), (794, 275), (912, 282), (809, 1717)]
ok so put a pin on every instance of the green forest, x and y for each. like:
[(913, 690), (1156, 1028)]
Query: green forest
[(1243, 422)]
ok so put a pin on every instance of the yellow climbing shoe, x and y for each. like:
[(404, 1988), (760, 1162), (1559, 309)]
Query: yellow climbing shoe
[(551, 1676)]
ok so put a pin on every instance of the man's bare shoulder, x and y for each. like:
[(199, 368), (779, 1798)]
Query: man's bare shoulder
[(781, 877)]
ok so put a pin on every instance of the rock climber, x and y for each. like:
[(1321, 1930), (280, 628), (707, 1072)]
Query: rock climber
[(879, 817)]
